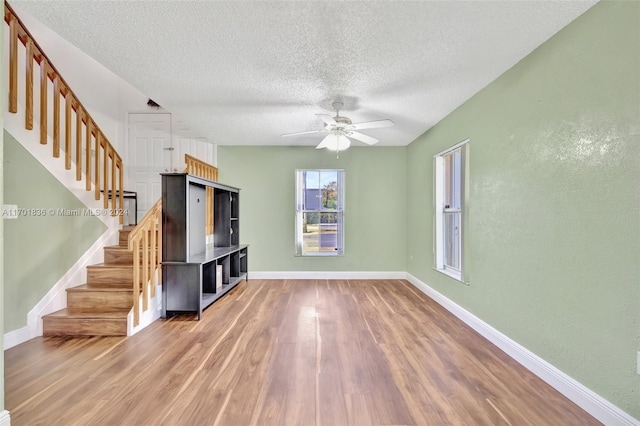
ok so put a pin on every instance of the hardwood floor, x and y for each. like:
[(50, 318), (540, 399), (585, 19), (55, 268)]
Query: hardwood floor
[(276, 352)]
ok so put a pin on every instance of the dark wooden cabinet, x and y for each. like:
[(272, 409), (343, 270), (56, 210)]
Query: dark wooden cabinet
[(195, 274), (227, 210)]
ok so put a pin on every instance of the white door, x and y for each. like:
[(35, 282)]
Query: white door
[(150, 152)]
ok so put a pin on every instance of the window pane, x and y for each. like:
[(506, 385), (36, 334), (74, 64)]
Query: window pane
[(319, 232), (329, 189), (448, 178), (452, 180), (457, 181), (452, 240), (311, 190)]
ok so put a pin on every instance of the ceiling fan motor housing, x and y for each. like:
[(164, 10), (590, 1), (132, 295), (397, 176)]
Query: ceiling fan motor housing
[(342, 122)]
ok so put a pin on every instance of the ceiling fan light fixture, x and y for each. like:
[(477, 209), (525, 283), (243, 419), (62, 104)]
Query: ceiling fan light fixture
[(339, 142), (341, 129)]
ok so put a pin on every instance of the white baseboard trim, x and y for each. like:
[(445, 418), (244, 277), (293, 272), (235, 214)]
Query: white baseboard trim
[(591, 402), (56, 298), (327, 275), (5, 418), (21, 335)]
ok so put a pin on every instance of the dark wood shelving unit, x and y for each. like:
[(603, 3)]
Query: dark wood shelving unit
[(194, 275)]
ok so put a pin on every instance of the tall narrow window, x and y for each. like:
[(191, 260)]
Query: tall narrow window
[(449, 209), (319, 212)]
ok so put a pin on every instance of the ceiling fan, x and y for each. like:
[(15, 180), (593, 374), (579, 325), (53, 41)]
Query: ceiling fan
[(341, 130)]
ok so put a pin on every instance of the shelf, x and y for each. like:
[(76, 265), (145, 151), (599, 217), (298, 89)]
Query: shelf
[(235, 280), (209, 298), (243, 255), (213, 254), (234, 218)]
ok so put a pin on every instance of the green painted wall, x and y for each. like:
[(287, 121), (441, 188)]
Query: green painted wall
[(38, 251), (553, 247), (2, 325), (375, 207)]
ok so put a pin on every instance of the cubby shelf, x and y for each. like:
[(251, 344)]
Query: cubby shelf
[(193, 274)]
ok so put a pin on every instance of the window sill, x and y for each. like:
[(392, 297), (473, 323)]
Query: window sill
[(452, 274), (321, 254)]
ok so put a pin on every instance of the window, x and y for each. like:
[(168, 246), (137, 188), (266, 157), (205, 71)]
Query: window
[(450, 209), (319, 212)]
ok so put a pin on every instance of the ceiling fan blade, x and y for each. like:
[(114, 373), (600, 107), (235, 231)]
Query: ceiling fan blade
[(362, 138), (326, 141), (371, 125), (327, 119), (302, 133)]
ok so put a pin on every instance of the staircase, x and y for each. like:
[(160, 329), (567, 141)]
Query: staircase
[(131, 270), (99, 307)]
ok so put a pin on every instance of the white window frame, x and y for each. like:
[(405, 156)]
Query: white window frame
[(300, 213), (440, 210)]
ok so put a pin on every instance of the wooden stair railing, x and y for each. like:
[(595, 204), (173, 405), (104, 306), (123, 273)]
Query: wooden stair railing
[(108, 174), (146, 240), (200, 168)]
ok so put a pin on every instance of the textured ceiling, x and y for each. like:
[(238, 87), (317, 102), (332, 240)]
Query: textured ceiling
[(244, 72)]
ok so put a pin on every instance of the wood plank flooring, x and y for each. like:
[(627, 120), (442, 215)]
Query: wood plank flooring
[(286, 352)]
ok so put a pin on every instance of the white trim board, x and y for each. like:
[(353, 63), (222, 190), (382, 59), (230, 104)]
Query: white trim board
[(16, 337), (327, 275), (591, 402), (5, 418)]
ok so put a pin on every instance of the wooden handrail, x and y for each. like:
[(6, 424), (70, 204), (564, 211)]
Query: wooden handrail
[(112, 165), (146, 238), (200, 168)]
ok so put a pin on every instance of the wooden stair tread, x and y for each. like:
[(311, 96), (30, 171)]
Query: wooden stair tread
[(109, 265), (89, 314), (122, 248), (117, 285), (120, 255), (97, 287)]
